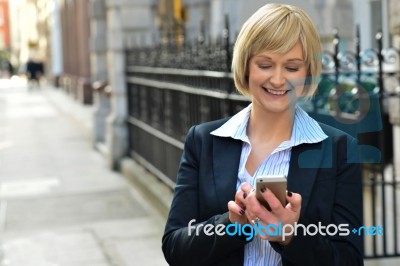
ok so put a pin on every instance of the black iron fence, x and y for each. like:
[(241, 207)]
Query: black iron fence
[(171, 88), (164, 103)]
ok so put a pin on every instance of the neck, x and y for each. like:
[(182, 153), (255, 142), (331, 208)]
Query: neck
[(275, 127)]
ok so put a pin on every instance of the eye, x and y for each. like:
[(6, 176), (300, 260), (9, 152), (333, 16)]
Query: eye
[(292, 69), (264, 66)]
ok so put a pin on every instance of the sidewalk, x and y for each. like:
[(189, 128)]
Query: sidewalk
[(59, 203)]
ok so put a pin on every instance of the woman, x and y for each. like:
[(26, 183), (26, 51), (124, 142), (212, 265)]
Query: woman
[(275, 58)]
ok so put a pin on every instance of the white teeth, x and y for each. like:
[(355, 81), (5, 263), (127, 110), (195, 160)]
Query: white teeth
[(275, 92)]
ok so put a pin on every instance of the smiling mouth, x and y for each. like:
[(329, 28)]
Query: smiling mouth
[(276, 92)]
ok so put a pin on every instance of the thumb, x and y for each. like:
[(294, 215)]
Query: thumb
[(294, 200)]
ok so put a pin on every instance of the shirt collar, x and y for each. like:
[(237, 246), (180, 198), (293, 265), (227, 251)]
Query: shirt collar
[(236, 126), (305, 128)]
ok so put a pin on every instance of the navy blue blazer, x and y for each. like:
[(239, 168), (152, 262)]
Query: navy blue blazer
[(326, 174)]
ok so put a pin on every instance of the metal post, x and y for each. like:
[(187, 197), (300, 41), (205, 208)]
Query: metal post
[(336, 42), (394, 209), (358, 51), (381, 136), (226, 38), (372, 178)]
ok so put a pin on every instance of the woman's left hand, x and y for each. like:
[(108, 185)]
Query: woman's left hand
[(287, 215)]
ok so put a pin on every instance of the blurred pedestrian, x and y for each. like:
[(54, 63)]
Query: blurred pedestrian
[(34, 71), (7, 69)]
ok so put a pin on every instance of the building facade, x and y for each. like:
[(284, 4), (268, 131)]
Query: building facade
[(4, 25)]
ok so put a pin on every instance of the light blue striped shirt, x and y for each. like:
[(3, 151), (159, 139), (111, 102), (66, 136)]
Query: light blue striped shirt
[(305, 130)]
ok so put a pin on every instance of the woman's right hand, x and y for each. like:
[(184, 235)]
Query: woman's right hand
[(237, 208)]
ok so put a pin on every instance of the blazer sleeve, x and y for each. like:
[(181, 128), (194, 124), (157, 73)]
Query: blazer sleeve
[(180, 246), (347, 209)]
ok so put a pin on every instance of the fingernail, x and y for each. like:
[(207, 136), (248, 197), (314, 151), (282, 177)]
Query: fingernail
[(289, 193), (241, 212), (263, 189), (244, 195)]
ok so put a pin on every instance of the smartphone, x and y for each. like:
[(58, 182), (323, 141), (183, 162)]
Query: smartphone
[(276, 184)]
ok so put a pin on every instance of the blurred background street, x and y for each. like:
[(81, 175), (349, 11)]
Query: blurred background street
[(59, 203)]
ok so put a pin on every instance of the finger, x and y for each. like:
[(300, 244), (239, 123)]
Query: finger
[(272, 200), (246, 188), (240, 197), (235, 208), (254, 208), (294, 200)]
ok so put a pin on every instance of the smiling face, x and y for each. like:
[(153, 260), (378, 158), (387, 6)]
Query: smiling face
[(276, 28), (276, 80)]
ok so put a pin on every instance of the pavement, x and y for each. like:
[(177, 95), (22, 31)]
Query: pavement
[(59, 203)]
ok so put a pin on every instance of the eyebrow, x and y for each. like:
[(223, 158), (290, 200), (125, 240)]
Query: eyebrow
[(289, 60), (295, 59)]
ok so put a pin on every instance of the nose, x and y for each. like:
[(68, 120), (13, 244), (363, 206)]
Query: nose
[(277, 79)]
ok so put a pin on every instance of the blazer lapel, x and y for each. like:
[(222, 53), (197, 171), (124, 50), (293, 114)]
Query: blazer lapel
[(305, 161), (226, 159)]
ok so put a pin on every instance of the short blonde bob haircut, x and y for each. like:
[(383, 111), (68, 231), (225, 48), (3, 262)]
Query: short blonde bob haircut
[(277, 28)]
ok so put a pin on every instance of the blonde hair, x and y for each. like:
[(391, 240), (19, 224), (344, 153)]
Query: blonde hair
[(277, 28)]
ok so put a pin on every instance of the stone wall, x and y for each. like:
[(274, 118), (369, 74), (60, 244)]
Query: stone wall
[(394, 22), (115, 26)]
